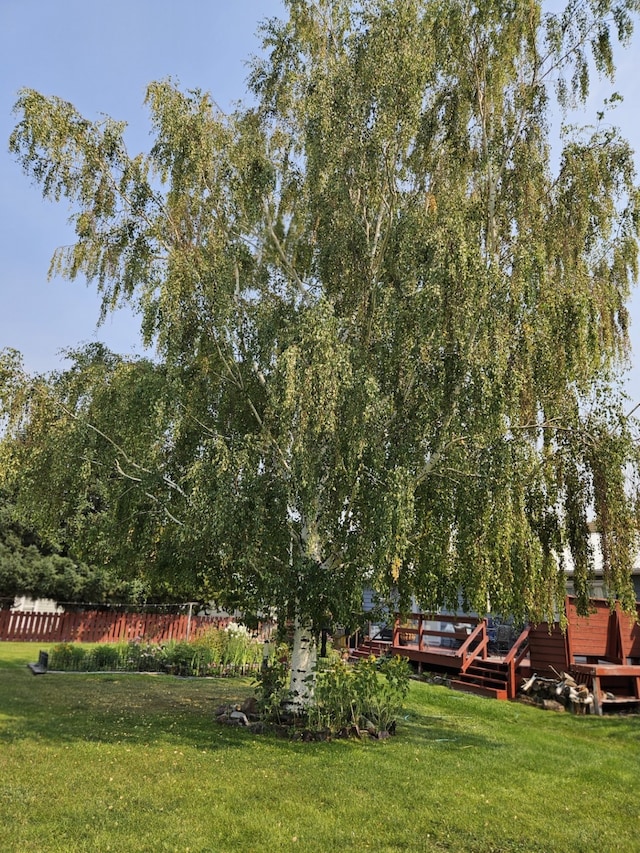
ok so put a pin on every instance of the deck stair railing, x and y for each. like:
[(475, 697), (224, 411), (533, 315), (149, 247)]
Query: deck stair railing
[(512, 660), (475, 646), (461, 645), (490, 675)]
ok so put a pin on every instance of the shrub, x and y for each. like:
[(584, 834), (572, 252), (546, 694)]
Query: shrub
[(211, 642), (183, 658), (380, 699), (241, 650), (335, 704), (104, 657), (146, 657), (272, 683), (368, 694), (67, 657)]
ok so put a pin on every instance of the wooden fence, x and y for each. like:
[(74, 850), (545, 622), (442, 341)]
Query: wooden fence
[(95, 626)]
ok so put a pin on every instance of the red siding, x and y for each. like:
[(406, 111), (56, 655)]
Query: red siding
[(592, 636), (547, 650), (630, 635)]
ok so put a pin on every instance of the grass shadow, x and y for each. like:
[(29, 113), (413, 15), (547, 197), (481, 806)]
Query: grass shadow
[(137, 709), (144, 709)]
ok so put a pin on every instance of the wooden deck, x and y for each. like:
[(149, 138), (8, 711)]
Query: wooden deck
[(459, 646), (601, 650)]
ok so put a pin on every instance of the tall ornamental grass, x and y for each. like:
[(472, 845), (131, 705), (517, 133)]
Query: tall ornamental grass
[(217, 652)]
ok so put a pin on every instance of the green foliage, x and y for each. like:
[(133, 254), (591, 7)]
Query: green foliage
[(335, 700), (68, 657), (104, 657), (144, 657), (217, 652), (239, 649), (387, 325), (368, 694), (40, 568), (272, 682)]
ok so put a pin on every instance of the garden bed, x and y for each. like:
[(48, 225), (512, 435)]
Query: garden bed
[(220, 652)]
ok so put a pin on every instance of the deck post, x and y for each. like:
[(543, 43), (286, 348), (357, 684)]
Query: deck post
[(597, 705)]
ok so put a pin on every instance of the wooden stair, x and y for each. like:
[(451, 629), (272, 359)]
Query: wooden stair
[(377, 648), (485, 678)]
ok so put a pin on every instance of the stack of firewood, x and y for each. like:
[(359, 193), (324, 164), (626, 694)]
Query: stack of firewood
[(557, 694)]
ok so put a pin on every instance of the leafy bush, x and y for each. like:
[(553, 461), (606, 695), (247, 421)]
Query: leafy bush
[(272, 683), (183, 658), (145, 657), (231, 649), (213, 642), (335, 701), (67, 657), (381, 698), (104, 657), (368, 694), (240, 648)]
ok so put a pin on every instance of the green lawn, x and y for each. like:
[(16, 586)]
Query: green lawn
[(135, 763)]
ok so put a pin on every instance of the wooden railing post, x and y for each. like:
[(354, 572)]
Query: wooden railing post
[(516, 654)]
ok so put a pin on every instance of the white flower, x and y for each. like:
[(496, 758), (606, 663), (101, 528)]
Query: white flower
[(236, 630)]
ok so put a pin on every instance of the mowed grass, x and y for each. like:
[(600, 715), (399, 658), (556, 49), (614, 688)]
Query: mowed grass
[(136, 763)]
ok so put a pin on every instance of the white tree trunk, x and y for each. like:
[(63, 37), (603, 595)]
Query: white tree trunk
[(303, 662)]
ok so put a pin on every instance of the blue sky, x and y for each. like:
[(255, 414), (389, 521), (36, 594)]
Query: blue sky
[(101, 56)]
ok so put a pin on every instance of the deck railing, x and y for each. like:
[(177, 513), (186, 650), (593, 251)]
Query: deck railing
[(516, 654), (459, 636)]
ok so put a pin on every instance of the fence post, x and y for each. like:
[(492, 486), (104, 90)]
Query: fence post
[(191, 603)]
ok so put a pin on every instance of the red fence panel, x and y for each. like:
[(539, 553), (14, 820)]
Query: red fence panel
[(38, 627), (95, 626)]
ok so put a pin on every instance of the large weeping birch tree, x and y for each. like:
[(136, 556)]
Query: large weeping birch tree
[(387, 321)]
